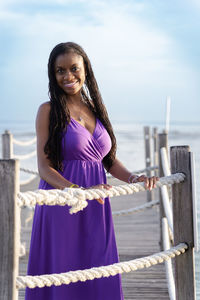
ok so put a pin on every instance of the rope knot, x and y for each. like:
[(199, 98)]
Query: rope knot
[(79, 198)]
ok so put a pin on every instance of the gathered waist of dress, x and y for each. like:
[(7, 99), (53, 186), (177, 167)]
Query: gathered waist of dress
[(98, 161)]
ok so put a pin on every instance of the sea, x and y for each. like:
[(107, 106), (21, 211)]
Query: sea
[(130, 150)]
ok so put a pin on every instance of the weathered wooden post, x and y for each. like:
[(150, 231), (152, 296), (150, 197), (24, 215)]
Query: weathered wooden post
[(162, 142), (9, 229), (7, 145), (147, 140), (155, 149), (183, 223)]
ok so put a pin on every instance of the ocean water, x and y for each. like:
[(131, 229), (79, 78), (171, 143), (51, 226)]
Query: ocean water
[(130, 151)]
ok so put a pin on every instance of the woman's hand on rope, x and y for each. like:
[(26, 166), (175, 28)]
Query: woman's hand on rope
[(150, 182), (101, 186)]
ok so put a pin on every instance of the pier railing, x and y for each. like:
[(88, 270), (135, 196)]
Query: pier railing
[(8, 141), (180, 244), (150, 145)]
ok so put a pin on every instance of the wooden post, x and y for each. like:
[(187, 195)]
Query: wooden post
[(147, 140), (7, 145), (183, 223), (155, 149), (162, 142), (9, 229)]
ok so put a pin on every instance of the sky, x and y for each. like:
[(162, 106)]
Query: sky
[(141, 52)]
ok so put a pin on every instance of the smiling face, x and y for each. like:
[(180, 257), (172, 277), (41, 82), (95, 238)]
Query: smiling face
[(70, 72)]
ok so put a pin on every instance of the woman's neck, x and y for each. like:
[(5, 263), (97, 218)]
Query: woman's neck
[(75, 100)]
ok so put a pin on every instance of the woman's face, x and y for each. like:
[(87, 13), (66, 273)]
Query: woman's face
[(70, 72)]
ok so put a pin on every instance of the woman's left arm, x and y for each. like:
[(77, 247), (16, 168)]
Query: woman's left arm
[(119, 171)]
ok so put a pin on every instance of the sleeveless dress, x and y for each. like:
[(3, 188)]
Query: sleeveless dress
[(61, 242)]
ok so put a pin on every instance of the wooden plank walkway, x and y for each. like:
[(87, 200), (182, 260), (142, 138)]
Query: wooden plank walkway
[(137, 236)]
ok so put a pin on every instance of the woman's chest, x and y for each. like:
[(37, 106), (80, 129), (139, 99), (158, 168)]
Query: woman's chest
[(79, 143)]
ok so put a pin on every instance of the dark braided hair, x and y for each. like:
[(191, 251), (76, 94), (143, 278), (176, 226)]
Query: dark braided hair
[(59, 113)]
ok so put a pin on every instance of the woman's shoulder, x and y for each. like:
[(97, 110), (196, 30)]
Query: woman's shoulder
[(43, 112), (46, 106)]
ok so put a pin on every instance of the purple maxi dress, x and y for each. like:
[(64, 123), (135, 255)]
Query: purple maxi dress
[(62, 242)]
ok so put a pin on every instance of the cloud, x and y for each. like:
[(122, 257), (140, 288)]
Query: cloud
[(131, 57), (117, 31)]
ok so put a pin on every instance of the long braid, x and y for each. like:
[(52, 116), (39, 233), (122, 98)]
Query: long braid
[(101, 114)]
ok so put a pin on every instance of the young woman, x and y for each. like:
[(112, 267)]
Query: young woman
[(75, 142)]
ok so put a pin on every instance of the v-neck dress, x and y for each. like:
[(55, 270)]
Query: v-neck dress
[(61, 242)]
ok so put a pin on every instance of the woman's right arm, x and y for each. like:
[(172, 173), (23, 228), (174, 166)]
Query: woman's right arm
[(46, 171)]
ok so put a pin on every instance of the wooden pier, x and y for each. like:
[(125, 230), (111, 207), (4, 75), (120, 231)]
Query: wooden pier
[(137, 236)]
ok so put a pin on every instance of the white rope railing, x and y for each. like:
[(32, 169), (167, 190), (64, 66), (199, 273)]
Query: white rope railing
[(29, 171), (25, 156), (135, 209), (25, 143), (29, 180), (76, 198), (168, 263), (99, 272)]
